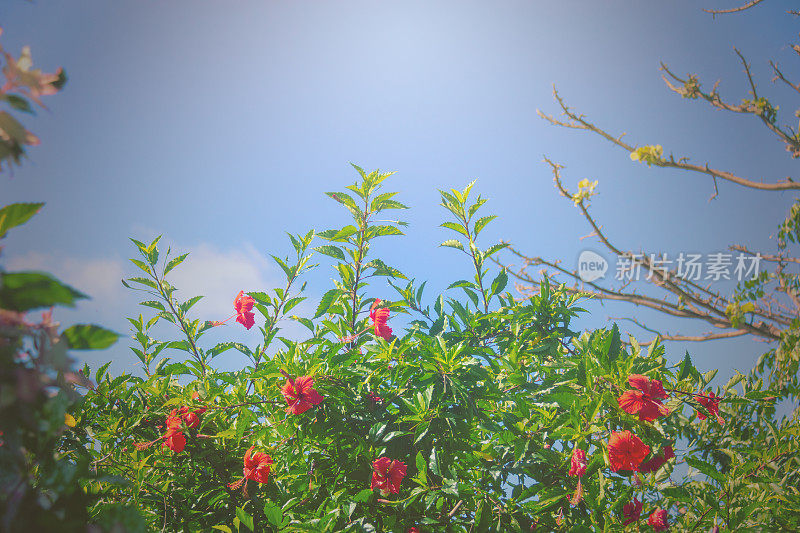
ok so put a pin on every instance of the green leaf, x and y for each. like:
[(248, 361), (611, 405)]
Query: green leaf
[(494, 249), (433, 462), (101, 372), (16, 214), (273, 513), (382, 269), (175, 262), (706, 468), (343, 198), (500, 282), (224, 528), (462, 283), (481, 223), (144, 281), (455, 227), (188, 304), (452, 243), (327, 300), (383, 231), (422, 467), (687, 368), (89, 337), (363, 496), (245, 518), (614, 348), (14, 131), (22, 291), (332, 251), (19, 103)]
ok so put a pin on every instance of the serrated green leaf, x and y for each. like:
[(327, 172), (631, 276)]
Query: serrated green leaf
[(332, 251), (481, 223), (455, 227), (452, 243), (175, 262), (327, 300)]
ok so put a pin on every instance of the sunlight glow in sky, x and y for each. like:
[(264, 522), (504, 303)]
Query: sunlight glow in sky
[(221, 125)]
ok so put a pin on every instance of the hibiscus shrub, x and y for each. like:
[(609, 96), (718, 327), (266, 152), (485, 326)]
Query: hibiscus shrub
[(470, 411)]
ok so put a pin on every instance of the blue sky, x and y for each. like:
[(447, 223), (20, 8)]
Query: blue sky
[(220, 125)]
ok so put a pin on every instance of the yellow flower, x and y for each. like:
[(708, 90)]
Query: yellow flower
[(69, 420)]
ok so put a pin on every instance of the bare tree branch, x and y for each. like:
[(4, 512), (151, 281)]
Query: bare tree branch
[(691, 89), (779, 76), (690, 338), (580, 123), (748, 5), (693, 300)]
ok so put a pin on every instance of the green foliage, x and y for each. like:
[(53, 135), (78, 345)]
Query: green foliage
[(481, 396), (42, 484)]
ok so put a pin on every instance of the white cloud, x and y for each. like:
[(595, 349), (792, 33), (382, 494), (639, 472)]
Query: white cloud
[(218, 275)]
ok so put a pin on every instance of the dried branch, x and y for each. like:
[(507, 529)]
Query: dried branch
[(690, 338), (693, 301), (580, 123), (779, 76), (691, 89), (748, 5)]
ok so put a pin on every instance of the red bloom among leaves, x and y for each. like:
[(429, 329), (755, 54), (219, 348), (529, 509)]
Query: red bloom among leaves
[(711, 403), (191, 418), (654, 463), (414, 529), (577, 467), (646, 400), (379, 318), (256, 467), (244, 305), (300, 395), (174, 440), (658, 520), (578, 462), (387, 475), (626, 451), (631, 511)]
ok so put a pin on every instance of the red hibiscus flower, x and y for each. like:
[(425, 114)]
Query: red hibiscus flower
[(631, 511), (379, 318), (387, 475), (174, 440), (646, 400), (578, 462), (256, 467), (300, 395), (191, 418), (577, 467), (244, 305), (626, 451), (414, 529), (711, 403), (654, 463), (658, 520)]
